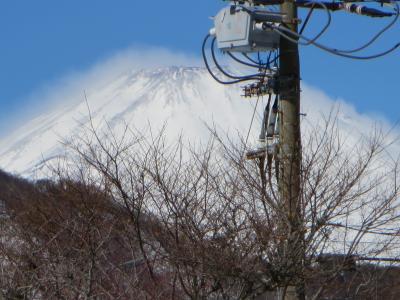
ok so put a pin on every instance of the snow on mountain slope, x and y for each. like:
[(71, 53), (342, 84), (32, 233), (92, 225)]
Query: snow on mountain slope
[(186, 98)]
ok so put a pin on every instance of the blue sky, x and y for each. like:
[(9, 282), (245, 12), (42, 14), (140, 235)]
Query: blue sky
[(45, 40)]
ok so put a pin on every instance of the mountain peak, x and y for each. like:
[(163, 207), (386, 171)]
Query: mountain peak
[(185, 97)]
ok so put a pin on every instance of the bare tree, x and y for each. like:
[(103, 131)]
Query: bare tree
[(138, 216), (68, 240), (219, 225)]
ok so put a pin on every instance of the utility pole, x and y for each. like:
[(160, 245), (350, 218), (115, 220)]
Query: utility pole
[(290, 150), (247, 27)]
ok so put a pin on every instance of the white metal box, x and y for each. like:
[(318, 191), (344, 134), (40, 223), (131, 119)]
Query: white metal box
[(236, 31)]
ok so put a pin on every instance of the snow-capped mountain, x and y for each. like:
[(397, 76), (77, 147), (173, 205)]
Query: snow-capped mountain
[(185, 98)]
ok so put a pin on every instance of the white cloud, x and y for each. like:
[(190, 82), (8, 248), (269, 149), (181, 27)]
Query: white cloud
[(69, 88)]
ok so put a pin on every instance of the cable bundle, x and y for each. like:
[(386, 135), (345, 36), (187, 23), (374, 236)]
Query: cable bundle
[(263, 69)]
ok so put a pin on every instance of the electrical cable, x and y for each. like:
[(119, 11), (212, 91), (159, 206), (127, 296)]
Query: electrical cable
[(276, 59), (382, 31), (323, 30), (255, 108), (272, 3), (374, 38), (246, 63), (241, 61), (370, 1), (328, 49), (268, 59), (259, 62), (209, 68), (252, 120), (343, 53), (328, 23), (254, 76), (310, 12), (258, 98), (252, 60)]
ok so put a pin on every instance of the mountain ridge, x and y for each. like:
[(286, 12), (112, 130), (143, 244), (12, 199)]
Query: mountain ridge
[(135, 97), (183, 97)]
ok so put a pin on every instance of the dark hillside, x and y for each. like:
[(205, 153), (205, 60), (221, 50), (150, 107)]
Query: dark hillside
[(67, 240)]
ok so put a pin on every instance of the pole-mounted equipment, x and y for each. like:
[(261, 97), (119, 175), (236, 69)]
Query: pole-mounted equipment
[(250, 33)]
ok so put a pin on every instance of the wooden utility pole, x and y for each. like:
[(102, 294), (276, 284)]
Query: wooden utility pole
[(291, 230), (290, 150)]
